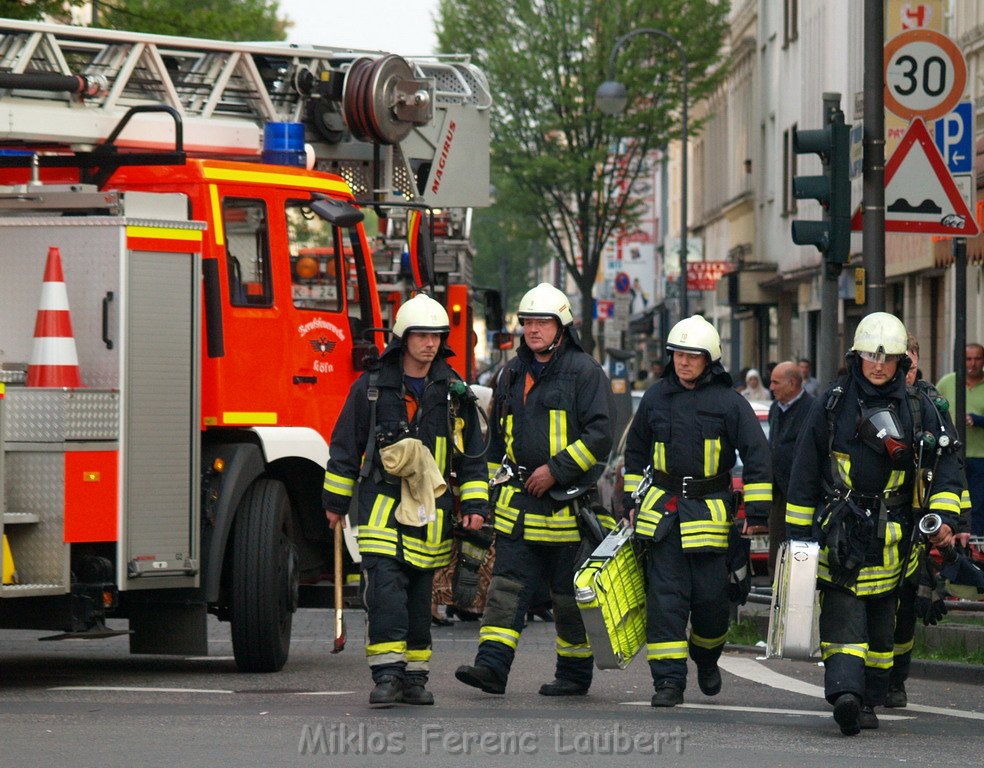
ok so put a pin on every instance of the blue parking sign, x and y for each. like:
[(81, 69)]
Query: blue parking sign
[(955, 138)]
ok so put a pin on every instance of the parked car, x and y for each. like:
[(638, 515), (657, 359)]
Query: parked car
[(612, 482)]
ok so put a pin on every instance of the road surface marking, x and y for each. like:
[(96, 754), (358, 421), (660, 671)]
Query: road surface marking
[(765, 710), (325, 693), (758, 673), (135, 689)]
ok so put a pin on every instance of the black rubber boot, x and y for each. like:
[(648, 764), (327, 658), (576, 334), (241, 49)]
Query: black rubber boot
[(388, 691), (415, 692), (561, 687), (480, 677), (896, 697), (868, 720), (667, 695), (709, 680), (847, 713)]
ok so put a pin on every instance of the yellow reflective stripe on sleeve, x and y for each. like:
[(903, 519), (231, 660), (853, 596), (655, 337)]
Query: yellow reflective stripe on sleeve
[(843, 468), (631, 482), (659, 456), (475, 489), (879, 659), (799, 515), (758, 492), (558, 431), (581, 455), (509, 438), (945, 501), (441, 453), (676, 649), (493, 467), (707, 642), (851, 649), (901, 649), (339, 484), (573, 650), (965, 499), (504, 635), (712, 456)]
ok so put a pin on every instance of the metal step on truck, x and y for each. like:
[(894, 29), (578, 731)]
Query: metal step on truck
[(186, 295)]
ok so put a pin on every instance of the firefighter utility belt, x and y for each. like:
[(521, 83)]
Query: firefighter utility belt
[(516, 472), (692, 487), (872, 501)]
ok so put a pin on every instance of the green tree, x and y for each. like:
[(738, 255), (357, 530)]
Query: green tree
[(213, 19), (35, 10), (568, 165)]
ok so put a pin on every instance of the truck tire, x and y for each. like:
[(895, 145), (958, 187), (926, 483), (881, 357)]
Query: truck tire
[(264, 578)]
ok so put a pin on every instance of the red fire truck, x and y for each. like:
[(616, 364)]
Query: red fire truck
[(221, 300)]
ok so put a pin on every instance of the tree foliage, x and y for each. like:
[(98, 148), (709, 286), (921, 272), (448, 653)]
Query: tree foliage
[(570, 166), (213, 19), (35, 10)]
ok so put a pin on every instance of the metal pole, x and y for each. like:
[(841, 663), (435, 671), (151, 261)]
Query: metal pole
[(960, 338), (828, 356), (873, 202)]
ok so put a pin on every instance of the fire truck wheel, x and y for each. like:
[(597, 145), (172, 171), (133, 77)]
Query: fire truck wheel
[(264, 578)]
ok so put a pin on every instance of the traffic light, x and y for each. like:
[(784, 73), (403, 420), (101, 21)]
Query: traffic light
[(832, 235)]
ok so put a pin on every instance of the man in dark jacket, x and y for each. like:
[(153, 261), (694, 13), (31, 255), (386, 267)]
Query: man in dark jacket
[(786, 416), (854, 478), (685, 433), (413, 394), (552, 423)]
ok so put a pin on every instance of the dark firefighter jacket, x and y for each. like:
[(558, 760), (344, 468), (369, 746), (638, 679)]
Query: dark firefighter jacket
[(784, 428), (563, 419), (695, 433), (865, 470), (427, 546)]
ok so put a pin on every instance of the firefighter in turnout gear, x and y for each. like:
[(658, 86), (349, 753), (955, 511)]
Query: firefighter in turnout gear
[(412, 394), (552, 423), (872, 458), (684, 437)]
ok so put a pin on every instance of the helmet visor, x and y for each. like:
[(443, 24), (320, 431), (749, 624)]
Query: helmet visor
[(879, 357)]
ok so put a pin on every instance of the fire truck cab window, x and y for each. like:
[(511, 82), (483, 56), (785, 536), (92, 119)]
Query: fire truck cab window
[(247, 240), (317, 259)]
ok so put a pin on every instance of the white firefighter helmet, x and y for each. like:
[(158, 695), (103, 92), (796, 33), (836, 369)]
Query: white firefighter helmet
[(880, 334), (421, 314), (546, 301), (695, 334)]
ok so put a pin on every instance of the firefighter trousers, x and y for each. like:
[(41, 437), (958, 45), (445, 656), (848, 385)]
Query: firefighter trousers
[(521, 568), (397, 599), (682, 586), (856, 641), (905, 633)]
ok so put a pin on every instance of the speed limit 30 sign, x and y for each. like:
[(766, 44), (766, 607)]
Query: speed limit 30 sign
[(925, 74)]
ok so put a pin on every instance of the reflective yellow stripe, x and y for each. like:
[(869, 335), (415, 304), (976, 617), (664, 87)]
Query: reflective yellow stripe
[(277, 179), (844, 467), (758, 492), (581, 455), (652, 496), (851, 649), (895, 479), (676, 649), (509, 437), (505, 635), (397, 646), (945, 501), (799, 515), (712, 456), (475, 489), (879, 659), (165, 233), (217, 231), (712, 541), (573, 650), (381, 508), (558, 431), (339, 484), (631, 482), (718, 510), (914, 557), (965, 499), (493, 467), (890, 554), (903, 648), (703, 526), (707, 642), (249, 417), (659, 456), (441, 452)]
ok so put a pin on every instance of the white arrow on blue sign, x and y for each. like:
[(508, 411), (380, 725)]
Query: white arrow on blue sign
[(955, 138)]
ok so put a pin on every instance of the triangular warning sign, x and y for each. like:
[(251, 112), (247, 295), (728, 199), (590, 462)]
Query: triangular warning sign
[(920, 194)]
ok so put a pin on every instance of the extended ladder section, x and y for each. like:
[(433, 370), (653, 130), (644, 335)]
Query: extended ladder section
[(396, 129)]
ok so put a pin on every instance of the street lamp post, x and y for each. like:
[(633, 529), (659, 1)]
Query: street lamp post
[(611, 98)]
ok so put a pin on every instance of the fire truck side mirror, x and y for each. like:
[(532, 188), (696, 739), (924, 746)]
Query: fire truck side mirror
[(420, 248), (337, 212), (502, 340)]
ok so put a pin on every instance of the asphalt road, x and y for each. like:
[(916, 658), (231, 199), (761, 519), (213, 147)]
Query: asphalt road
[(89, 703)]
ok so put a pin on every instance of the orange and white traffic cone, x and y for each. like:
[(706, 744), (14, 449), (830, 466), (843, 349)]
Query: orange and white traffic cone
[(54, 360)]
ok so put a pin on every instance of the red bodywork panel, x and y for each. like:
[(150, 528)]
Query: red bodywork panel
[(91, 484)]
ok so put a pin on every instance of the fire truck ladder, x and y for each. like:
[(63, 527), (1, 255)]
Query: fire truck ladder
[(394, 128)]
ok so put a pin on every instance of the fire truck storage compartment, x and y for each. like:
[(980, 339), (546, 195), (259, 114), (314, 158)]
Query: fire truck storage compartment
[(136, 321)]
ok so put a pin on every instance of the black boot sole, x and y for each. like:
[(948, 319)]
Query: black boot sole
[(465, 676), (847, 714)]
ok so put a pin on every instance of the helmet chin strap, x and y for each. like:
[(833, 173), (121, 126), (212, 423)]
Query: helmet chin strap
[(556, 341)]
